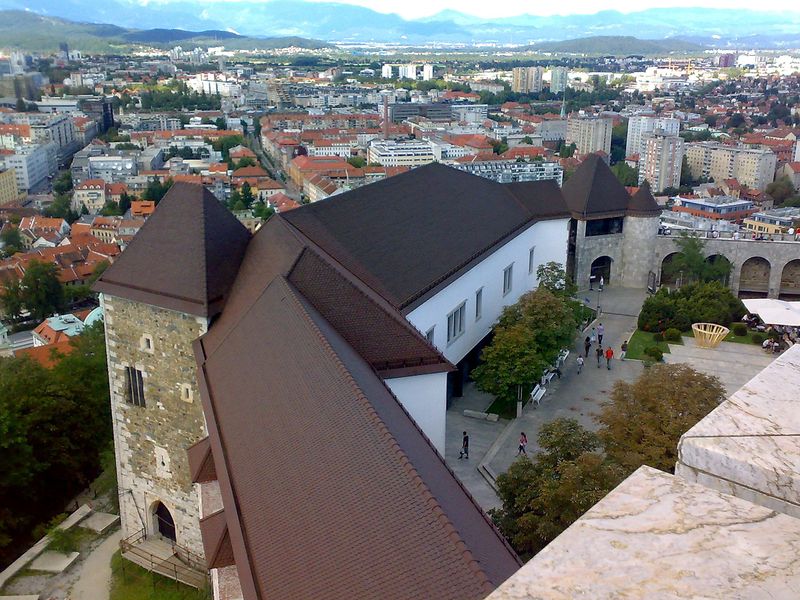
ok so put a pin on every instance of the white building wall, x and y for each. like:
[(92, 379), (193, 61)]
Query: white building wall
[(549, 238), (425, 399)]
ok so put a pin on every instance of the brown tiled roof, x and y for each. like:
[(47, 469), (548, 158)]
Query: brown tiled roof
[(642, 203), (382, 336), (201, 462), (330, 489), (593, 191), (389, 233), (184, 258), (216, 541)]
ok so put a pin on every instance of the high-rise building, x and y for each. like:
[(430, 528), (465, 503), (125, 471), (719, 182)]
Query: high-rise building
[(660, 160), (589, 134), (753, 167), (387, 71), (558, 80), (642, 124), (527, 79), (408, 71), (8, 186), (427, 72)]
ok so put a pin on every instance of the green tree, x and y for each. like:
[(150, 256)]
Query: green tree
[(552, 276), (357, 161), (221, 124), (626, 175), (781, 189), (527, 339), (736, 120), (619, 141), (63, 184), (566, 151), (11, 298), (644, 420), (61, 208), (691, 264), (111, 209), (544, 496), (124, 202), (12, 241), (156, 190), (247, 195), (245, 162), (263, 211), (527, 140), (42, 293)]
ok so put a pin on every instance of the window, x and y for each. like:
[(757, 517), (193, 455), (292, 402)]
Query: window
[(146, 343), (531, 262), (429, 335), (508, 275), (455, 323), (478, 303), (186, 392), (134, 390)]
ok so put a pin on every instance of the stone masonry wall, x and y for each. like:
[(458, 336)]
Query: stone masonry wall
[(151, 441), (639, 255)]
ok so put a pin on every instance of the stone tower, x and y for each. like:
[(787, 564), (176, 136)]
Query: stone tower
[(158, 297)]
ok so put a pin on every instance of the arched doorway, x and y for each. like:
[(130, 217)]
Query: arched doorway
[(670, 276), (601, 267), (790, 281), (722, 268), (754, 278), (164, 523)]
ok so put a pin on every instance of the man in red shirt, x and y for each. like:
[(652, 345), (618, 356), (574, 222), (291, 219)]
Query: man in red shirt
[(609, 356)]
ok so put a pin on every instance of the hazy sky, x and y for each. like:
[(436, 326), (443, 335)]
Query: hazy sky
[(507, 8)]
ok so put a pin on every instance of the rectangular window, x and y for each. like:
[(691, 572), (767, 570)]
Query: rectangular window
[(134, 391), (455, 323), (429, 335), (508, 275), (478, 303), (530, 260)]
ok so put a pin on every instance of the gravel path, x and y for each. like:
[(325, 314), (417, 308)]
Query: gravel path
[(94, 578)]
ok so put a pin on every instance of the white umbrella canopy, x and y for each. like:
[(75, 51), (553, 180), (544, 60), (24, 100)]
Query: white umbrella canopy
[(775, 312)]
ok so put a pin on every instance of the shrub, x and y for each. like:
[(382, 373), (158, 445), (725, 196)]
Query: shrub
[(758, 338), (672, 335), (740, 329), (654, 352), (696, 303), (658, 337)]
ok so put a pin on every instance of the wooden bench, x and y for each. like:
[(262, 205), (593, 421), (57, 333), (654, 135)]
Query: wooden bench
[(536, 394)]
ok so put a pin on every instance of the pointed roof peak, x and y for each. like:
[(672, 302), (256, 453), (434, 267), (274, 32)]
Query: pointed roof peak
[(642, 203), (184, 258), (593, 191)]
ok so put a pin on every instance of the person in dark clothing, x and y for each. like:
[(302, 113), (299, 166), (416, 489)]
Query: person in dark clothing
[(587, 344), (464, 446), (599, 353)]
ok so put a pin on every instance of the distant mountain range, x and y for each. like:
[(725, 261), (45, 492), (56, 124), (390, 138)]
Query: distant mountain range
[(335, 22), (617, 45), (29, 31)]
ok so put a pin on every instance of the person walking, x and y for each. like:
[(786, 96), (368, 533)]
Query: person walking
[(609, 356), (580, 362), (599, 354), (624, 350), (593, 337), (602, 282), (587, 344), (464, 446), (601, 331), (523, 444)]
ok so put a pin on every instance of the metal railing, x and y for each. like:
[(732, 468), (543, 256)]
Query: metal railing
[(187, 567), (743, 235)]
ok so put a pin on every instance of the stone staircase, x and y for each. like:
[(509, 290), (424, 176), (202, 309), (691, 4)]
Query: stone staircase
[(158, 555)]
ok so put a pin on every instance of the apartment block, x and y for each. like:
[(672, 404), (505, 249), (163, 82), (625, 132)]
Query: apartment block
[(527, 79), (589, 134), (8, 186), (559, 76), (389, 153), (752, 167), (660, 160), (640, 125)]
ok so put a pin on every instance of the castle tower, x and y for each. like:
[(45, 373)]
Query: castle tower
[(641, 231), (158, 297)]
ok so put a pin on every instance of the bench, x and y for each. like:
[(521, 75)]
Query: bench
[(536, 394)]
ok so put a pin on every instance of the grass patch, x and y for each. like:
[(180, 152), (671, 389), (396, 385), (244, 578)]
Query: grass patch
[(506, 410), (131, 582), (641, 340), (69, 540), (744, 339)]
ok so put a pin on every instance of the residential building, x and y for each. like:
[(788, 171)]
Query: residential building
[(56, 329), (589, 134), (427, 72), (89, 194), (660, 161), (753, 167), (437, 111), (31, 164), (390, 153), (527, 80), (792, 171), (725, 208), (640, 125), (8, 186), (559, 77), (776, 220)]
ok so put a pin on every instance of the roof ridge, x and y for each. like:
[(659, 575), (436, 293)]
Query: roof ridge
[(392, 314), (203, 218), (394, 445)]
